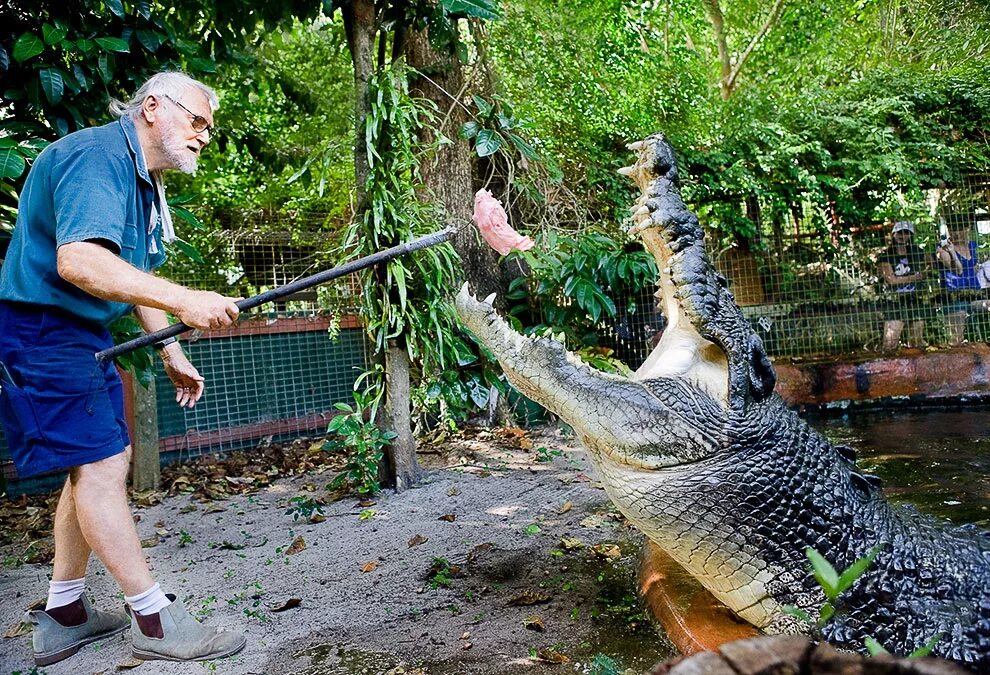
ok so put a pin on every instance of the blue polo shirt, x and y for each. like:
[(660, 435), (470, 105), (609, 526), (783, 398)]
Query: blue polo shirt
[(90, 185)]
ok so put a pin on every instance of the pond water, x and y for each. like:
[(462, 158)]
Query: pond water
[(938, 460)]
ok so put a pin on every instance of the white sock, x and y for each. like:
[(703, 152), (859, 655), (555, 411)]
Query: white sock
[(151, 601), (61, 593)]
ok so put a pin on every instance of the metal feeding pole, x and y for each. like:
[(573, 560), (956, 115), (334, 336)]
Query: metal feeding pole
[(288, 289)]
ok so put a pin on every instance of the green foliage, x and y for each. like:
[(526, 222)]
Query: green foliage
[(492, 130), (440, 572), (140, 362), (579, 282), (833, 584), (305, 507), (399, 299), (363, 442), (290, 118)]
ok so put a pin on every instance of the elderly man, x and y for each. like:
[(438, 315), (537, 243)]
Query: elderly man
[(90, 229)]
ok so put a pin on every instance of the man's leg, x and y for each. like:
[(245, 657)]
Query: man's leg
[(99, 492), (917, 335), (892, 335), (956, 325), (71, 549)]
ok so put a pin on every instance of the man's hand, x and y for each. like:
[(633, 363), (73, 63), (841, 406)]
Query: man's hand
[(187, 380), (206, 310)]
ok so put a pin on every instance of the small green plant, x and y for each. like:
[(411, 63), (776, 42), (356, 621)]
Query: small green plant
[(362, 440), (531, 529), (832, 583), (547, 455), (875, 648), (441, 573), (304, 507), (185, 538), (206, 607)]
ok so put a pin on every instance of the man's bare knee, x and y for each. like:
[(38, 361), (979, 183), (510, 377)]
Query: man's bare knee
[(110, 471)]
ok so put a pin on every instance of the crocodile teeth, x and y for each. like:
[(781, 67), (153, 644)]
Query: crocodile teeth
[(642, 211), (637, 146), (490, 300), (627, 170)]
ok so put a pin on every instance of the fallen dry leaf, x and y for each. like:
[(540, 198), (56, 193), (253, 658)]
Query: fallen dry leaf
[(551, 655), (449, 517), (453, 491), (291, 603), (479, 550), (188, 508), (565, 507), (533, 622), (18, 629), (129, 663), (369, 566), (594, 520), (466, 635), (317, 518), (417, 540), (365, 503), (150, 542), (530, 598), (297, 545), (571, 543), (610, 551)]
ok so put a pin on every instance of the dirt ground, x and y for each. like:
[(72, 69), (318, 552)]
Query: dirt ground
[(507, 558)]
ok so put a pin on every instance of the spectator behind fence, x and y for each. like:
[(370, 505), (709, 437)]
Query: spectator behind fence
[(91, 227), (903, 268), (958, 259)]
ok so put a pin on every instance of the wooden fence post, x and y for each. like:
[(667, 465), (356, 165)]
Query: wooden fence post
[(145, 462)]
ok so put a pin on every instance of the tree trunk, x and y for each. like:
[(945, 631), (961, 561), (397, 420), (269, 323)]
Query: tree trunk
[(359, 25), (401, 454), (401, 468), (449, 178)]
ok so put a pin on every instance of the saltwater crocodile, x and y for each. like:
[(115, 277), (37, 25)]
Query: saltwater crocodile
[(700, 454)]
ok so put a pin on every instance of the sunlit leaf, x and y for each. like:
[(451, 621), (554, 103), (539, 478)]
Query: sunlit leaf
[(12, 163), (481, 9), (113, 44), (874, 647), (826, 575), (487, 143), (188, 250), (52, 84), (54, 34), (27, 46)]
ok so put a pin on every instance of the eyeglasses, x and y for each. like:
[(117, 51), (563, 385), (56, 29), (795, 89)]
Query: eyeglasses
[(199, 123)]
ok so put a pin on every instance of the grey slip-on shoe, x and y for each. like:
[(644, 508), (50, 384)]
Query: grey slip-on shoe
[(174, 635), (54, 642)]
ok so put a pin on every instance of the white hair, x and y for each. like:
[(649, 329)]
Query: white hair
[(171, 84)]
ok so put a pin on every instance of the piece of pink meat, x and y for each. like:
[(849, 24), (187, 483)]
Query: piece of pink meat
[(493, 223)]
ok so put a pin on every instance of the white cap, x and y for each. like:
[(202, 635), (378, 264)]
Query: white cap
[(903, 225)]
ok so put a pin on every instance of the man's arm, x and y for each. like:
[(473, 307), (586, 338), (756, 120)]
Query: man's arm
[(100, 272), (189, 384)]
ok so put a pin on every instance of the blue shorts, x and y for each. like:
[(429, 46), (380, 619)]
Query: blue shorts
[(58, 407)]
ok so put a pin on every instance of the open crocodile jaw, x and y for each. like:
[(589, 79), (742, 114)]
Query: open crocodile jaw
[(643, 432), (695, 451)]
